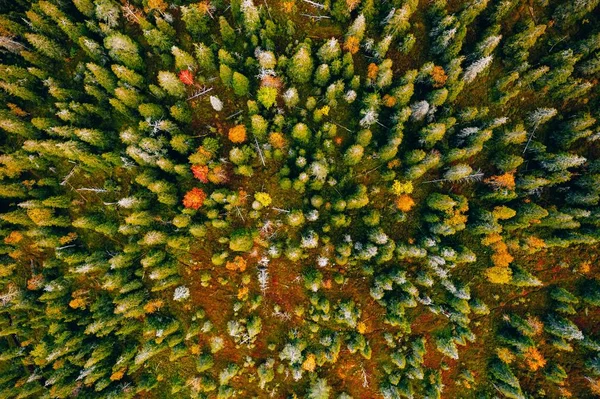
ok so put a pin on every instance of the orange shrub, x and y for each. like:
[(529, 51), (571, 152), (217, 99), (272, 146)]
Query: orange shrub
[(237, 134), (389, 101), (352, 4), (372, 71), (502, 259), (13, 238), (352, 44), (404, 203), (277, 140), (200, 172), (238, 263), (534, 359), (439, 77), (153, 306), (194, 198), (77, 303), (117, 375), (506, 180)]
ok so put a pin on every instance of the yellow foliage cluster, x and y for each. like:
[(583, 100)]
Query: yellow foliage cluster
[(457, 219), (157, 5), (288, 6), (535, 243), (242, 293), (498, 274), (39, 216), (402, 188), (585, 267), (501, 258), (361, 327), (505, 355), (309, 364), (263, 198), (490, 239), (503, 212)]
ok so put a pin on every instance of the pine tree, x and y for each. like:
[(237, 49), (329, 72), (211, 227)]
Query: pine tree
[(301, 65), (124, 50), (46, 46), (205, 57), (171, 84), (227, 33), (251, 17), (240, 84)]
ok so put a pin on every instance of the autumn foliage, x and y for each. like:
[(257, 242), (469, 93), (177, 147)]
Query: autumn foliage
[(506, 180), (277, 140), (200, 172), (372, 71), (534, 359), (194, 198), (186, 77), (404, 203), (237, 264), (352, 44), (237, 134), (439, 77)]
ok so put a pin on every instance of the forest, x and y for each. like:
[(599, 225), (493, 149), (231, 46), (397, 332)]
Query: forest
[(320, 199)]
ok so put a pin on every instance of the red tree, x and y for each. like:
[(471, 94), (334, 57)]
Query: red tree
[(186, 77)]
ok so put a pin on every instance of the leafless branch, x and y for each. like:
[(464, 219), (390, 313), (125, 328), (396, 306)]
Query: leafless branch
[(202, 92), (92, 189), (316, 17), (315, 4), (262, 158), (234, 114)]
